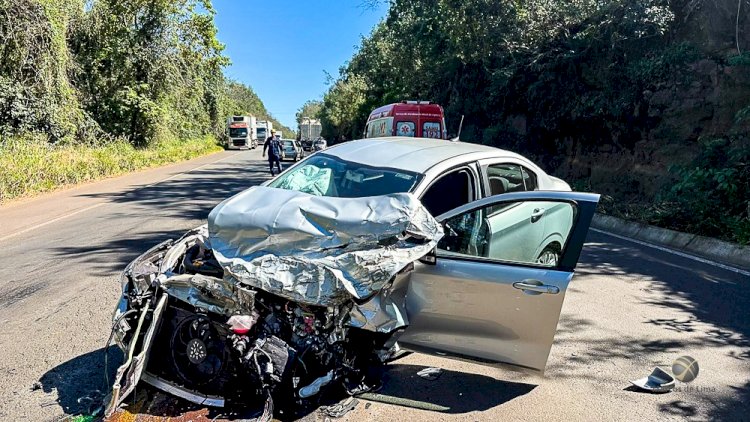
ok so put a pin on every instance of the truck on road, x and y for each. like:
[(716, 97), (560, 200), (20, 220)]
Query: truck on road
[(309, 132), (241, 132), (264, 128)]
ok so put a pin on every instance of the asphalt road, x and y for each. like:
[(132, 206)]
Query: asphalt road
[(629, 308)]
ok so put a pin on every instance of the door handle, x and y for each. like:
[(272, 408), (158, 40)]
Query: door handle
[(537, 214), (536, 286)]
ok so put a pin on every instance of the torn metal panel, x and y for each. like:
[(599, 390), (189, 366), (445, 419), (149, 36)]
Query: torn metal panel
[(209, 293), (319, 250), (176, 252), (381, 314), (385, 312), (129, 373)]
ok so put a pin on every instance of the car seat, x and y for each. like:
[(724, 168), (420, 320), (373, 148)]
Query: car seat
[(498, 185)]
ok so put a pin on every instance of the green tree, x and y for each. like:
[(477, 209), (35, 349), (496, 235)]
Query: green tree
[(146, 67), (309, 109), (35, 92)]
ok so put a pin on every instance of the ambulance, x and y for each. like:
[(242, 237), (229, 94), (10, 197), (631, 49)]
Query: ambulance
[(418, 119)]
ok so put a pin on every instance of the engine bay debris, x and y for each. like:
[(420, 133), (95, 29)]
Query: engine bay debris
[(282, 295)]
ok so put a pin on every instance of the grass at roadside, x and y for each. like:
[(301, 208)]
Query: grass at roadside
[(29, 166)]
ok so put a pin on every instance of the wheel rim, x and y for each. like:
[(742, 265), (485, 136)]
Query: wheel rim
[(548, 258)]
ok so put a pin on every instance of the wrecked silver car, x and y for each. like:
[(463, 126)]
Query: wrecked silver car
[(277, 292), (318, 279)]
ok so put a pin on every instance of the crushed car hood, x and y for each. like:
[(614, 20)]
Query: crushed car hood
[(319, 250)]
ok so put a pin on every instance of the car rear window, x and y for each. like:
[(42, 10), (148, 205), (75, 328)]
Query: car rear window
[(431, 130), (405, 128), (325, 175)]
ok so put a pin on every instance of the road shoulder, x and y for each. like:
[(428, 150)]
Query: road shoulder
[(710, 249)]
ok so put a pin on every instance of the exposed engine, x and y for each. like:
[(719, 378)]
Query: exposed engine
[(269, 346)]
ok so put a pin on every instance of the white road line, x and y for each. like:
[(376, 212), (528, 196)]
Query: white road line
[(674, 252), (82, 210)]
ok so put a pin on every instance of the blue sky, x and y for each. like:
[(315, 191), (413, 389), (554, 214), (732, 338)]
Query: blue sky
[(282, 48)]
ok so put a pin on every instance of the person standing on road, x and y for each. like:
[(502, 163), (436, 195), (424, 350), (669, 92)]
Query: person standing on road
[(274, 151)]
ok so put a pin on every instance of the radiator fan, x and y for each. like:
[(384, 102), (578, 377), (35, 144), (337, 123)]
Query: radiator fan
[(198, 353)]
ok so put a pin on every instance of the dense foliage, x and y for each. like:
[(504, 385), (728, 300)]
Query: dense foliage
[(547, 78), (88, 71), (310, 109), (490, 59)]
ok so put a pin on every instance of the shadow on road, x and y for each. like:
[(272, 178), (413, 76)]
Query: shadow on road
[(709, 294), (192, 195), (460, 392), (104, 258), (457, 391), (189, 196), (80, 388), (80, 382)]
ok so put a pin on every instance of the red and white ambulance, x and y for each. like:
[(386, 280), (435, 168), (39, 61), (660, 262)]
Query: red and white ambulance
[(419, 119)]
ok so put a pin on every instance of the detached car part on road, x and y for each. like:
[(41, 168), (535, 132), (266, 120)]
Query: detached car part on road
[(320, 277)]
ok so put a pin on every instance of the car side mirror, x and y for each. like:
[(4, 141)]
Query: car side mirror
[(430, 258)]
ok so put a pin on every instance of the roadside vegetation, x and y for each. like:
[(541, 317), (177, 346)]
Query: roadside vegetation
[(645, 101), (91, 88), (31, 165)]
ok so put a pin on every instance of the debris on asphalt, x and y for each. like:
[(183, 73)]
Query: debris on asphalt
[(660, 381), (400, 401), (338, 410), (430, 374)]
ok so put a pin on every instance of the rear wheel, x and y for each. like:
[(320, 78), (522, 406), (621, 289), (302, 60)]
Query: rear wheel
[(549, 257)]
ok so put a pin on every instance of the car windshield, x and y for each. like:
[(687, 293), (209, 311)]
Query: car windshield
[(288, 144), (324, 175)]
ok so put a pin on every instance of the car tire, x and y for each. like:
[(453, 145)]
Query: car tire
[(549, 257)]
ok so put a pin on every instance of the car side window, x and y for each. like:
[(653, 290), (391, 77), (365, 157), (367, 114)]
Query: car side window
[(504, 178), (450, 192), (525, 232), (529, 179), (507, 177)]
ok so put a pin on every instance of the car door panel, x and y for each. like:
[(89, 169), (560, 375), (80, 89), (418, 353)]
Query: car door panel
[(476, 317), (489, 309)]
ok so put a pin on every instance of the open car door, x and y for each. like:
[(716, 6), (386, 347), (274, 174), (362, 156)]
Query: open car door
[(494, 289)]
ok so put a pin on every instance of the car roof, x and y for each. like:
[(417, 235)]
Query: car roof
[(412, 154)]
